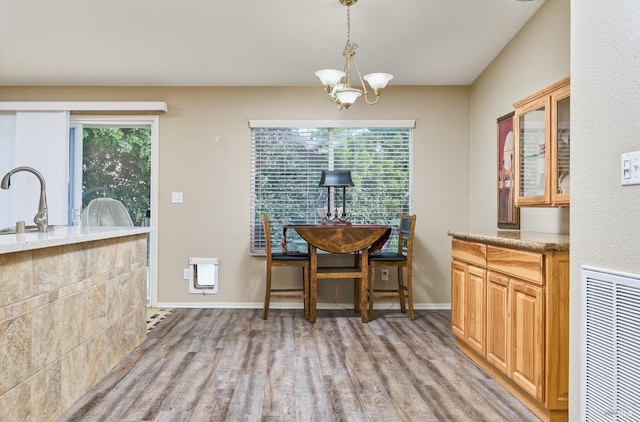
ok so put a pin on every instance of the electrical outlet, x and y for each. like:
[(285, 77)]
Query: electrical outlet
[(384, 274)]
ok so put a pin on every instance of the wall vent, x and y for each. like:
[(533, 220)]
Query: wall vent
[(610, 346)]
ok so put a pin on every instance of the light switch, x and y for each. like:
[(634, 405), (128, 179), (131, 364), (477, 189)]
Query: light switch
[(176, 197), (630, 163)]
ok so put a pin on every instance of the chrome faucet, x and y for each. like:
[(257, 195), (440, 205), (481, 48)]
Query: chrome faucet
[(42, 216)]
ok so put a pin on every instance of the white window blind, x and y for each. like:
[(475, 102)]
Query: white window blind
[(286, 163)]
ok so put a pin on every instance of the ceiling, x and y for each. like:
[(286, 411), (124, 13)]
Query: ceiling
[(250, 42)]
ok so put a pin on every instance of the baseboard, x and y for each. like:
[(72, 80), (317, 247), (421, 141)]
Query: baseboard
[(298, 305)]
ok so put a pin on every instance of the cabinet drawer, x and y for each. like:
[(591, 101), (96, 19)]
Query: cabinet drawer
[(521, 264), (474, 253)]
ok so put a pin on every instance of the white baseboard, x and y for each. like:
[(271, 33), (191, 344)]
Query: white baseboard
[(296, 305)]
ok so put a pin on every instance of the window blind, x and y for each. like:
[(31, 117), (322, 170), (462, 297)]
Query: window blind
[(286, 163)]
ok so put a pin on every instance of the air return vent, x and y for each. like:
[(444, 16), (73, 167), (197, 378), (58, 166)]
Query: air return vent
[(610, 346)]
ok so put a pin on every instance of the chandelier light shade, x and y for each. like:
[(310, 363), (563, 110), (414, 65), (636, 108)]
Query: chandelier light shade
[(337, 83)]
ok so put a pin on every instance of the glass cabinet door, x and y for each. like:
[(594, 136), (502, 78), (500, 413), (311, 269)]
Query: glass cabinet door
[(562, 147), (532, 150), (541, 126)]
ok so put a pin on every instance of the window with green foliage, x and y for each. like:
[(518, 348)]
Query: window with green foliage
[(117, 164), (286, 163)]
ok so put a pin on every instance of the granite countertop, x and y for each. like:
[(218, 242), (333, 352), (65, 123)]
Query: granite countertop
[(534, 241), (64, 235)]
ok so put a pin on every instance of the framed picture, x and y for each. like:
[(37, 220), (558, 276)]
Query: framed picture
[(508, 213)]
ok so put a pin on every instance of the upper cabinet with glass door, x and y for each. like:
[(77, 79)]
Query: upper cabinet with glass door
[(541, 126)]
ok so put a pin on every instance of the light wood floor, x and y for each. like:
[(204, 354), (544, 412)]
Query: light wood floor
[(230, 365)]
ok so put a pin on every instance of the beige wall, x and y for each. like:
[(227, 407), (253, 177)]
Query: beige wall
[(205, 153), (535, 58), (605, 109)]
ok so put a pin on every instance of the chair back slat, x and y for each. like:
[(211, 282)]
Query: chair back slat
[(405, 225), (405, 234)]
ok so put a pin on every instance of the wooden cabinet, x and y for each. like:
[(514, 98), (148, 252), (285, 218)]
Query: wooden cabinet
[(498, 323), (468, 290), (527, 346), (542, 129), (510, 315)]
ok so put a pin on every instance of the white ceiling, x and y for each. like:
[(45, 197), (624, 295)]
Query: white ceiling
[(250, 42)]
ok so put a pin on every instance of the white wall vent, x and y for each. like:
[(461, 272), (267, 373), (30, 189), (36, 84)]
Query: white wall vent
[(610, 356)]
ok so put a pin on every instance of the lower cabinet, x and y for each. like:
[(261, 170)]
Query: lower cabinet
[(509, 313), (498, 323), (527, 344), (468, 291)]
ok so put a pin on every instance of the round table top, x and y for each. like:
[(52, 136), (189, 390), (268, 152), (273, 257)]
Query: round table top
[(342, 238)]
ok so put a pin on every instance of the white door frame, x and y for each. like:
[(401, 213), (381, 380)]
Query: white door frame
[(153, 122)]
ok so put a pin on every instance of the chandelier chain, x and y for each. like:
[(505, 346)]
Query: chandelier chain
[(350, 47)]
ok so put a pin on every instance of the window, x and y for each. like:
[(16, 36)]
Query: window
[(287, 159)]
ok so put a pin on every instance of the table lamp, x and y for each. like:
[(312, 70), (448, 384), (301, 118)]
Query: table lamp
[(331, 179)]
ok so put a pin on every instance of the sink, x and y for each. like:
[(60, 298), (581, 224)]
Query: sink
[(27, 229)]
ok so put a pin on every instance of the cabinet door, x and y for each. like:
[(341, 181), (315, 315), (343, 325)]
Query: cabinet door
[(561, 146), (458, 271), (475, 308), (531, 126), (498, 322), (527, 331)]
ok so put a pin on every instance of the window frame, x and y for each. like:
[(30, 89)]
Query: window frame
[(375, 131)]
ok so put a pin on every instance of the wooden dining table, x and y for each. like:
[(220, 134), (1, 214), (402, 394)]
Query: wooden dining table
[(341, 239)]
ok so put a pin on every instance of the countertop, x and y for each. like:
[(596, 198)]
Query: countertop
[(534, 241), (64, 235)]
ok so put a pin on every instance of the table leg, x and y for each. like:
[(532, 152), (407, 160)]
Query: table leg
[(364, 285), (313, 282)]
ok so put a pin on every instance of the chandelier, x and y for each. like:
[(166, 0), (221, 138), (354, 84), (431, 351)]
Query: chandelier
[(337, 83)]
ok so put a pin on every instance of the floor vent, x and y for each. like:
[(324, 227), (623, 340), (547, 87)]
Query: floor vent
[(610, 346)]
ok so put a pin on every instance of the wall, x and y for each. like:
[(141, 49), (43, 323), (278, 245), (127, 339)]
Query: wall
[(68, 314), (605, 102), (40, 140), (205, 153), (516, 73)]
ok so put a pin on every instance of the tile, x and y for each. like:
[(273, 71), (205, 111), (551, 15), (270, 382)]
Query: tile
[(73, 321), (96, 309), (99, 352), (46, 394), (75, 263), (16, 277), (15, 347), (46, 335), (13, 403), (48, 271), (73, 375)]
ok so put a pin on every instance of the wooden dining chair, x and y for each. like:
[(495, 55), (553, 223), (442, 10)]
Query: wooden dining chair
[(400, 259), (280, 259)]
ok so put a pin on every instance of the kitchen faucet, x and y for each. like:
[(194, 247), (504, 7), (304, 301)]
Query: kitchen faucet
[(42, 217)]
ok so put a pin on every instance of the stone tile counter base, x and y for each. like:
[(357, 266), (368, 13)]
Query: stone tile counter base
[(68, 315)]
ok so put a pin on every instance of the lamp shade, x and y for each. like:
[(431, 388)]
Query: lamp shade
[(348, 96), (378, 80), (330, 77), (336, 178)]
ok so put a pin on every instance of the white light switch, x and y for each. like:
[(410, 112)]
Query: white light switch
[(630, 168), (176, 197)]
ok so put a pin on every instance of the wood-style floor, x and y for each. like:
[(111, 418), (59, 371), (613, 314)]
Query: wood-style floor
[(230, 365)]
